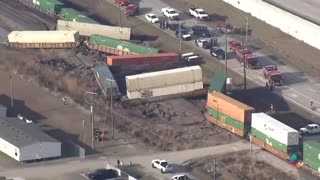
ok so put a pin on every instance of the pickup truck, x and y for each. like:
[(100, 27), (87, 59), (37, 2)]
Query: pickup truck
[(234, 45), (225, 28), (273, 75), (131, 10), (162, 165), (310, 129), (248, 59), (201, 31), (198, 13), (170, 13), (204, 43)]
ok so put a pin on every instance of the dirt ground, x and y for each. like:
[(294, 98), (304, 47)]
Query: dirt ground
[(244, 165)]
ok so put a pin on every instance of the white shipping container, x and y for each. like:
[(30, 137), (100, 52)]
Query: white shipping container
[(87, 29), (165, 78), (162, 91), (43, 36), (275, 129)]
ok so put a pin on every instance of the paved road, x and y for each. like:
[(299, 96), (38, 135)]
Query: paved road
[(63, 167), (299, 87), (309, 9)]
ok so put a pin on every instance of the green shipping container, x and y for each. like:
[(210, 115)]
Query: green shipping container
[(228, 120), (52, 6), (70, 14), (311, 150), (274, 143), (218, 83), (314, 165), (122, 45)]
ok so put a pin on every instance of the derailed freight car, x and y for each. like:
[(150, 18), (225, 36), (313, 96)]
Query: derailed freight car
[(117, 47), (144, 62), (50, 7), (163, 83), (42, 39), (70, 14), (106, 80), (88, 29)]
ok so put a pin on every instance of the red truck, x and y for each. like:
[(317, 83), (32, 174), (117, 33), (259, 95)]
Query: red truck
[(234, 45), (122, 2), (272, 75), (225, 28), (249, 60), (131, 10)]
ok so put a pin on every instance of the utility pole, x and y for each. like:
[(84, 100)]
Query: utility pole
[(244, 64), (11, 90), (214, 168), (179, 36), (92, 116), (111, 109), (120, 18), (226, 51), (247, 26)]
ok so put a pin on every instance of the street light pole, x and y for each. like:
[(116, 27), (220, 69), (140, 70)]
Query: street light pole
[(247, 26), (120, 18), (111, 110), (244, 64), (179, 36), (226, 51), (11, 90)]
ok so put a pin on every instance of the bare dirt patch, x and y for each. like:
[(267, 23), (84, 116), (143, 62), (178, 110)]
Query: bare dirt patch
[(236, 166)]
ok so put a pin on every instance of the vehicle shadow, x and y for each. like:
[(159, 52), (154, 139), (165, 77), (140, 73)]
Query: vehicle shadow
[(269, 60), (20, 108), (291, 78), (143, 37), (144, 10), (178, 168), (291, 119), (218, 18)]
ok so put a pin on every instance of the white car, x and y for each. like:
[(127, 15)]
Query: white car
[(24, 119), (170, 13), (162, 165), (152, 18), (310, 129), (181, 177), (198, 13)]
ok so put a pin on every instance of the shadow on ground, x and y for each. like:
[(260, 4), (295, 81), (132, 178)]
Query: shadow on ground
[(19, 107)]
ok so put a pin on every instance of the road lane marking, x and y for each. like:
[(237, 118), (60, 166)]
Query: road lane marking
[(293, 95)]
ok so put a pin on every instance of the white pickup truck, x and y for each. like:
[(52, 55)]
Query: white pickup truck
[(310, 129), (198, 13), (170, 13), (162, 165)]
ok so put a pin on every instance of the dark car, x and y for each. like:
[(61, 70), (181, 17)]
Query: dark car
[(201, 31), (102, 174), (175, 26), (217, 52), (185, 35)]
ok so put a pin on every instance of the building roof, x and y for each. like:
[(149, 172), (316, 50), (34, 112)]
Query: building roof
[(20, 134)]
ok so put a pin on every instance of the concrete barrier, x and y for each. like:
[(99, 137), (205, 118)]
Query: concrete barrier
[(287, 22)]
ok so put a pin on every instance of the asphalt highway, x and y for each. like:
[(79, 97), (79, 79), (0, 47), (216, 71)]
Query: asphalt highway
[(308, 9)]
